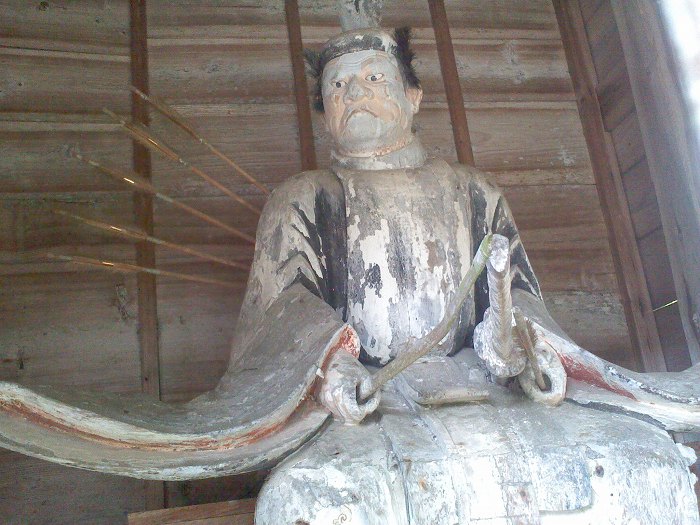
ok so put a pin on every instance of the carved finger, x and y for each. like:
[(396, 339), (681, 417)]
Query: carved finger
[(371, 404), (554, 375), (352, 412)]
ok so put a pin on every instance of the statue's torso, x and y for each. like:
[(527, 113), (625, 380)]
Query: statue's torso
[(408, 247)]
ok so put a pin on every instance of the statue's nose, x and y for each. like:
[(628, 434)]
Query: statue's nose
[(356, 91)]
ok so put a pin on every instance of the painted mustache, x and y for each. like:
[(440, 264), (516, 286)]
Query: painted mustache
[(383, 113)]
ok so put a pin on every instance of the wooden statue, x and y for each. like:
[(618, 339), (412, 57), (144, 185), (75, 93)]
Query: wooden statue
[(355, 268)]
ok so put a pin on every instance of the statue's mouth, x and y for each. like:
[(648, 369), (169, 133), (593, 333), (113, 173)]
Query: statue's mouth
[(356, 111)]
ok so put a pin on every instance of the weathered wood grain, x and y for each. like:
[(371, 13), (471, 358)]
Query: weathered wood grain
[(37, 162), (196, 328), (146, 294), (35, 227), (27, 122), (641, 198), (296, 54), (586, 268), (627, 139), (593, 319), (489, 14), (633, 289), (604, 41), (615, 97), (658, 268), (671, 152), (71, 328), (61, 62), (192, 71), (571, 253), (233, 512), (42, 493), (507, 139), (589, 7), (60, 81), (89, 25), (673, 338), (450, 78), (617, 106)]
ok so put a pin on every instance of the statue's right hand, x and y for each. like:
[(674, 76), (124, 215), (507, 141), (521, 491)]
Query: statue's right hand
[(339, 390)]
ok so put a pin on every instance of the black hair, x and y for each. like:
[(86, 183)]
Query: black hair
[(316, 61)]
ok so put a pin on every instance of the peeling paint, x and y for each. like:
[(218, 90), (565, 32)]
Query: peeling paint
[(508, 461)]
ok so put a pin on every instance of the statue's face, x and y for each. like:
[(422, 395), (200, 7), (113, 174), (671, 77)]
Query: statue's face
[(368, 111)]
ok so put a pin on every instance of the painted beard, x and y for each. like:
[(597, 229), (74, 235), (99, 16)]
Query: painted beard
[(364, 129)]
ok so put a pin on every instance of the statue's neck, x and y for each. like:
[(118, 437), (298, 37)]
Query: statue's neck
[(412, 155)]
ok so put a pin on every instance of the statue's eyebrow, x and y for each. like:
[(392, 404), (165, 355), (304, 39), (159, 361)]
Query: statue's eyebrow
[(369, 61), (375, 64), (336, 75)]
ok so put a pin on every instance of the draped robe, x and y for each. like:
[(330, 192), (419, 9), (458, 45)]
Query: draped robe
[(346, 260), (387, 250)]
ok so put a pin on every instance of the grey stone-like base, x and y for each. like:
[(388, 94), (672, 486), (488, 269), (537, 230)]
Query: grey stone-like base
[(503, 461)]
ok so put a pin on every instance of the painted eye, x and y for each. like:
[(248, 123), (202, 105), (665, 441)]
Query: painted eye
[(374, 77), (339, 83)]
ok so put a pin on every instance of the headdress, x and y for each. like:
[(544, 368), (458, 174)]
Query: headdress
[(365, 39)]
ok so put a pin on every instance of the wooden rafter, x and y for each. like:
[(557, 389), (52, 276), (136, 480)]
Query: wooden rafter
[(142, 135), (628, 265), (306, 132), (672, 155), (176, 118), (128, 268), (450, 78), (149, 347)]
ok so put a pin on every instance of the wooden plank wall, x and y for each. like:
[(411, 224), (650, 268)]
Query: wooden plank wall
[(228, 70), (620, 121), (61, 62), (226, 66)]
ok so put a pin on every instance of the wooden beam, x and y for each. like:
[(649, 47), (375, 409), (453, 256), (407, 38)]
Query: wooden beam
[(623, 246), (145, 252), (671, 150), (296, 52), (450, 77), (235, 512)]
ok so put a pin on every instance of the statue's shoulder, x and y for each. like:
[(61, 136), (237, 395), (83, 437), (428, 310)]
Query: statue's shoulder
[(475, 179), (307, 180), (304, 186)]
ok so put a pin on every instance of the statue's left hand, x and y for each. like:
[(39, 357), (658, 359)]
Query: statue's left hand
[(339, 390), (493, 337)]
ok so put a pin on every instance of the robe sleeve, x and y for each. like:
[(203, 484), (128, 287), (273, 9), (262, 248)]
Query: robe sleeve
[(290, 327), (301, 238), (490, 213)]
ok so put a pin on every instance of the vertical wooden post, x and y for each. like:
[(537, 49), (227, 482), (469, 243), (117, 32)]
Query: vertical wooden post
[(450, 77), (613, 201), (143, 211), (296, 52), (671, 151)]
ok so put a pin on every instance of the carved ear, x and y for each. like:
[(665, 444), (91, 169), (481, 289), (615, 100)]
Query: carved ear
[(414, 96), (405, 55), (314, 68)]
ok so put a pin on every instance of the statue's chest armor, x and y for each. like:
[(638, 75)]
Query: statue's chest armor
[(409, 245)]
